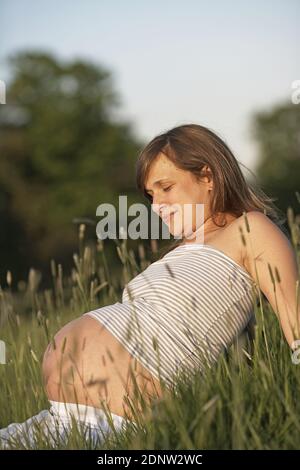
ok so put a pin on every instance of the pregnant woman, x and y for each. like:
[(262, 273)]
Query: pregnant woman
[(185, 308)]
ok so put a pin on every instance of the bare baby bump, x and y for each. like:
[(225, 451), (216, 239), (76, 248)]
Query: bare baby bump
[(89, 365)]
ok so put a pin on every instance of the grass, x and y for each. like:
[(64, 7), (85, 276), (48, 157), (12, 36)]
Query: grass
[(249, 399)]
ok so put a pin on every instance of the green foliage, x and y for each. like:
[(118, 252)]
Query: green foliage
[(278, 170), (62, 154)]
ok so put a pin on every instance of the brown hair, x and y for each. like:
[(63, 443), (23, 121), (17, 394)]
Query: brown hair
[(191, 147)]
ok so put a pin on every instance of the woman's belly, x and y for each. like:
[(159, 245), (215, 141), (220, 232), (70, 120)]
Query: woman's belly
[(89, 365)]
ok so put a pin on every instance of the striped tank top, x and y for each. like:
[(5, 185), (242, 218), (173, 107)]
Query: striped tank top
[(182, 311)]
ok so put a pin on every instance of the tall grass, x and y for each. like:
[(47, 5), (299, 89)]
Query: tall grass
[(249, 399)]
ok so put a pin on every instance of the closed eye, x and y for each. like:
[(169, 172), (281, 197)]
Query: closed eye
[(164, 189)]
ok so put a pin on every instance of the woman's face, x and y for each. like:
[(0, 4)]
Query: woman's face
[(175, 194)]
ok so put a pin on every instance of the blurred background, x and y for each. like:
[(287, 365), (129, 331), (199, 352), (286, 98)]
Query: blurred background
[(89, 83)]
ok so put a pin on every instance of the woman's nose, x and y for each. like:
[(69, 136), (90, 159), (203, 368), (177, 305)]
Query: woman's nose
[(161, 199)]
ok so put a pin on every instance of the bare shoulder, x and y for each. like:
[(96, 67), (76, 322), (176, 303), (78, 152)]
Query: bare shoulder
[(271, 261), (262, 239), (261, 231)]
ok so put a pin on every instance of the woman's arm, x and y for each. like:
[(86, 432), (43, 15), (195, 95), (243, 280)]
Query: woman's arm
[(267, 250)]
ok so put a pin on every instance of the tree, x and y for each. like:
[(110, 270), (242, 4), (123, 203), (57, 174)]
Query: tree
[(278, 170), (62, 154)]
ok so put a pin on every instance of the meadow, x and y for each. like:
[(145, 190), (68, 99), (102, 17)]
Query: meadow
[(248, 400)]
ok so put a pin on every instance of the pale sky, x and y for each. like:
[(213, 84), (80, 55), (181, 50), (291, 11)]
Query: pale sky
[(173, 62)]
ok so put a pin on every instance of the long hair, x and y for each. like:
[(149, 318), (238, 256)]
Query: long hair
[(192, 146)]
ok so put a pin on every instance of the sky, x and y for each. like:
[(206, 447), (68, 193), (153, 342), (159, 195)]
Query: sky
[(212, 63)]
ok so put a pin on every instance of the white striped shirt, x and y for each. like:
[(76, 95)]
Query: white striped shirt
[(183, 309)]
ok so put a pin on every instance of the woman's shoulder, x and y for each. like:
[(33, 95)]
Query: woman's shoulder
[(261, 234), (258, 223)]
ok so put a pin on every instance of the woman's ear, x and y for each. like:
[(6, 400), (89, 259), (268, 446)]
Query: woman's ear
[(206, 176)]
